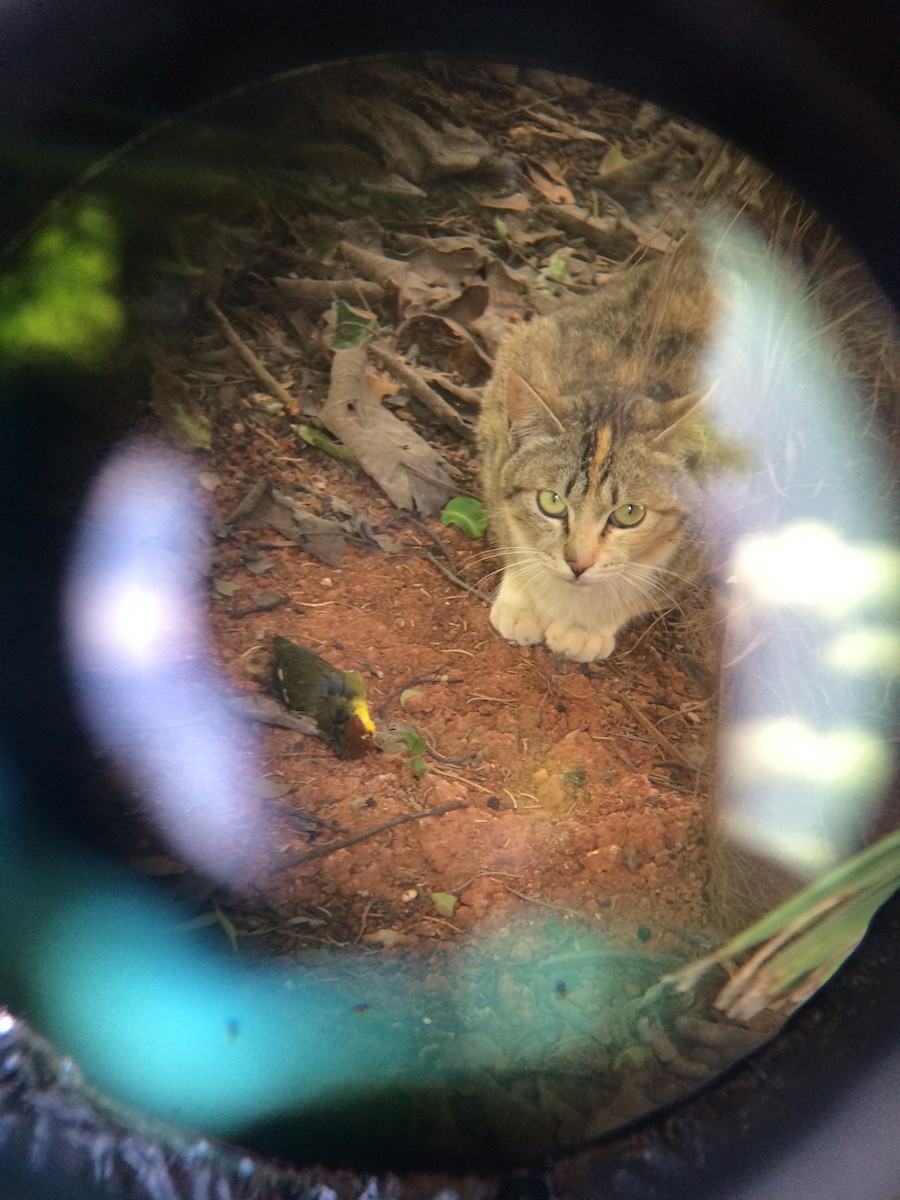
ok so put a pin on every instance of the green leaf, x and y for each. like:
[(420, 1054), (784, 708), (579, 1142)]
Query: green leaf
[(351, 328), (466, 514), (193, 424), (613, 160), (61, 303), (444, 903), (224, 587), (635, 1055), (557, 269), (407, 694), (321, 441), (415, 743)]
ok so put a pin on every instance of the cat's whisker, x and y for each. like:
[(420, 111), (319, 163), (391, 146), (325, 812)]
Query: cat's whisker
[(658, 571), (650, 578), (653, 591), (501, 552), (526, 573), (655, 588), (484, 581)]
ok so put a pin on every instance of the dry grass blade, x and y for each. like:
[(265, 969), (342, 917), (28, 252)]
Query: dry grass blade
[(806, 939)]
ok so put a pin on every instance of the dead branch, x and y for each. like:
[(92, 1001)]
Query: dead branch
[(387, 272), (659, 736), (468, 395), (319, 293), (267, 712), (262, 373), (422, 391), (454, 578), (295, 860)]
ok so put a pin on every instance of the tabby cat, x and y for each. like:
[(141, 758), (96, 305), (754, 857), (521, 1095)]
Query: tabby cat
[(593, 440)]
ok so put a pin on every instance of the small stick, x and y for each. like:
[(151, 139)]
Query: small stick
[(660, 737), (429, 677), (447, 571), (454, 578), (468, 395), (267, 712), (262, 373), (422, 391), (319, 293), (295, 860)]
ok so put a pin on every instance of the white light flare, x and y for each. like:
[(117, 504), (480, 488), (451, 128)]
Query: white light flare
[(813, 575), (139, 649)]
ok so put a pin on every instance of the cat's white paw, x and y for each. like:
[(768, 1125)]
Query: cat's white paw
[(580, 645), (514, 619)]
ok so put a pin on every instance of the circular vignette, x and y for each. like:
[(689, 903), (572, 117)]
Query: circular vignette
[(811, 94)]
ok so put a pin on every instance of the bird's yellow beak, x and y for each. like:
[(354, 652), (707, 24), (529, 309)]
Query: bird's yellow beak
[(359, 709)]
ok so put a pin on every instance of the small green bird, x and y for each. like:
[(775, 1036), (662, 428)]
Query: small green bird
[(335, 699)]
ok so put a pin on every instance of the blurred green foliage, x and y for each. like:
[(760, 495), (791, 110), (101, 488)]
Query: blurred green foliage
[(58, 304)]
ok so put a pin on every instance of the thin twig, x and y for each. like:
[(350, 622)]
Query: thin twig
[(267, 712), (447, 571), (262, 373), (319, 293), (422, 391), (468, 395), (454, 578), (429, 677), (295, 860), (659, 736)]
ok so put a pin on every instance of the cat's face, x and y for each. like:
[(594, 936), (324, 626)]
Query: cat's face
[(593, 504)]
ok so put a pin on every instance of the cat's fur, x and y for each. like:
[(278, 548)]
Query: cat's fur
[(598, 403)]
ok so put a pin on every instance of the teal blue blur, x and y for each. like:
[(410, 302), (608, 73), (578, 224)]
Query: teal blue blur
[(99, 964)]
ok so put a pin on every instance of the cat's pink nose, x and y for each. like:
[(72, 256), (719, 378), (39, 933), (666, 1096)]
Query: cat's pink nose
[(578, 568)]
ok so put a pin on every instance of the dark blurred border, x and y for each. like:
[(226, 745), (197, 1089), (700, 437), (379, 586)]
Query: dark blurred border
[(810, 89)]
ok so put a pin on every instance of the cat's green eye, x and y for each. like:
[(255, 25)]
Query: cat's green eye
[(627, 515), (551, 504)]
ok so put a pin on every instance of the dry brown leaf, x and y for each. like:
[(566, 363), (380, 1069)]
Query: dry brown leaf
[(436, 277), (264, 505), (446, 344), (409, 471), (517, 202), (409, 146), (624, 178), (468, 305), (547, 180), (178, 410), (388, 272), (380, 383), (607, 235), (572, 132), (317, 294), (509, 290), (441, 264)]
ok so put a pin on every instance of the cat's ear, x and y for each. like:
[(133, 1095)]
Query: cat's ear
[(688, 430), (529, 415), (676, 419)]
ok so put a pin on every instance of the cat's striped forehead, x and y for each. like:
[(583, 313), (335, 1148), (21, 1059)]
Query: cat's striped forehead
[(600, 457)]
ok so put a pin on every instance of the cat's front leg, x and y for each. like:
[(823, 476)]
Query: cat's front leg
[(514, 617), (578, 644)]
